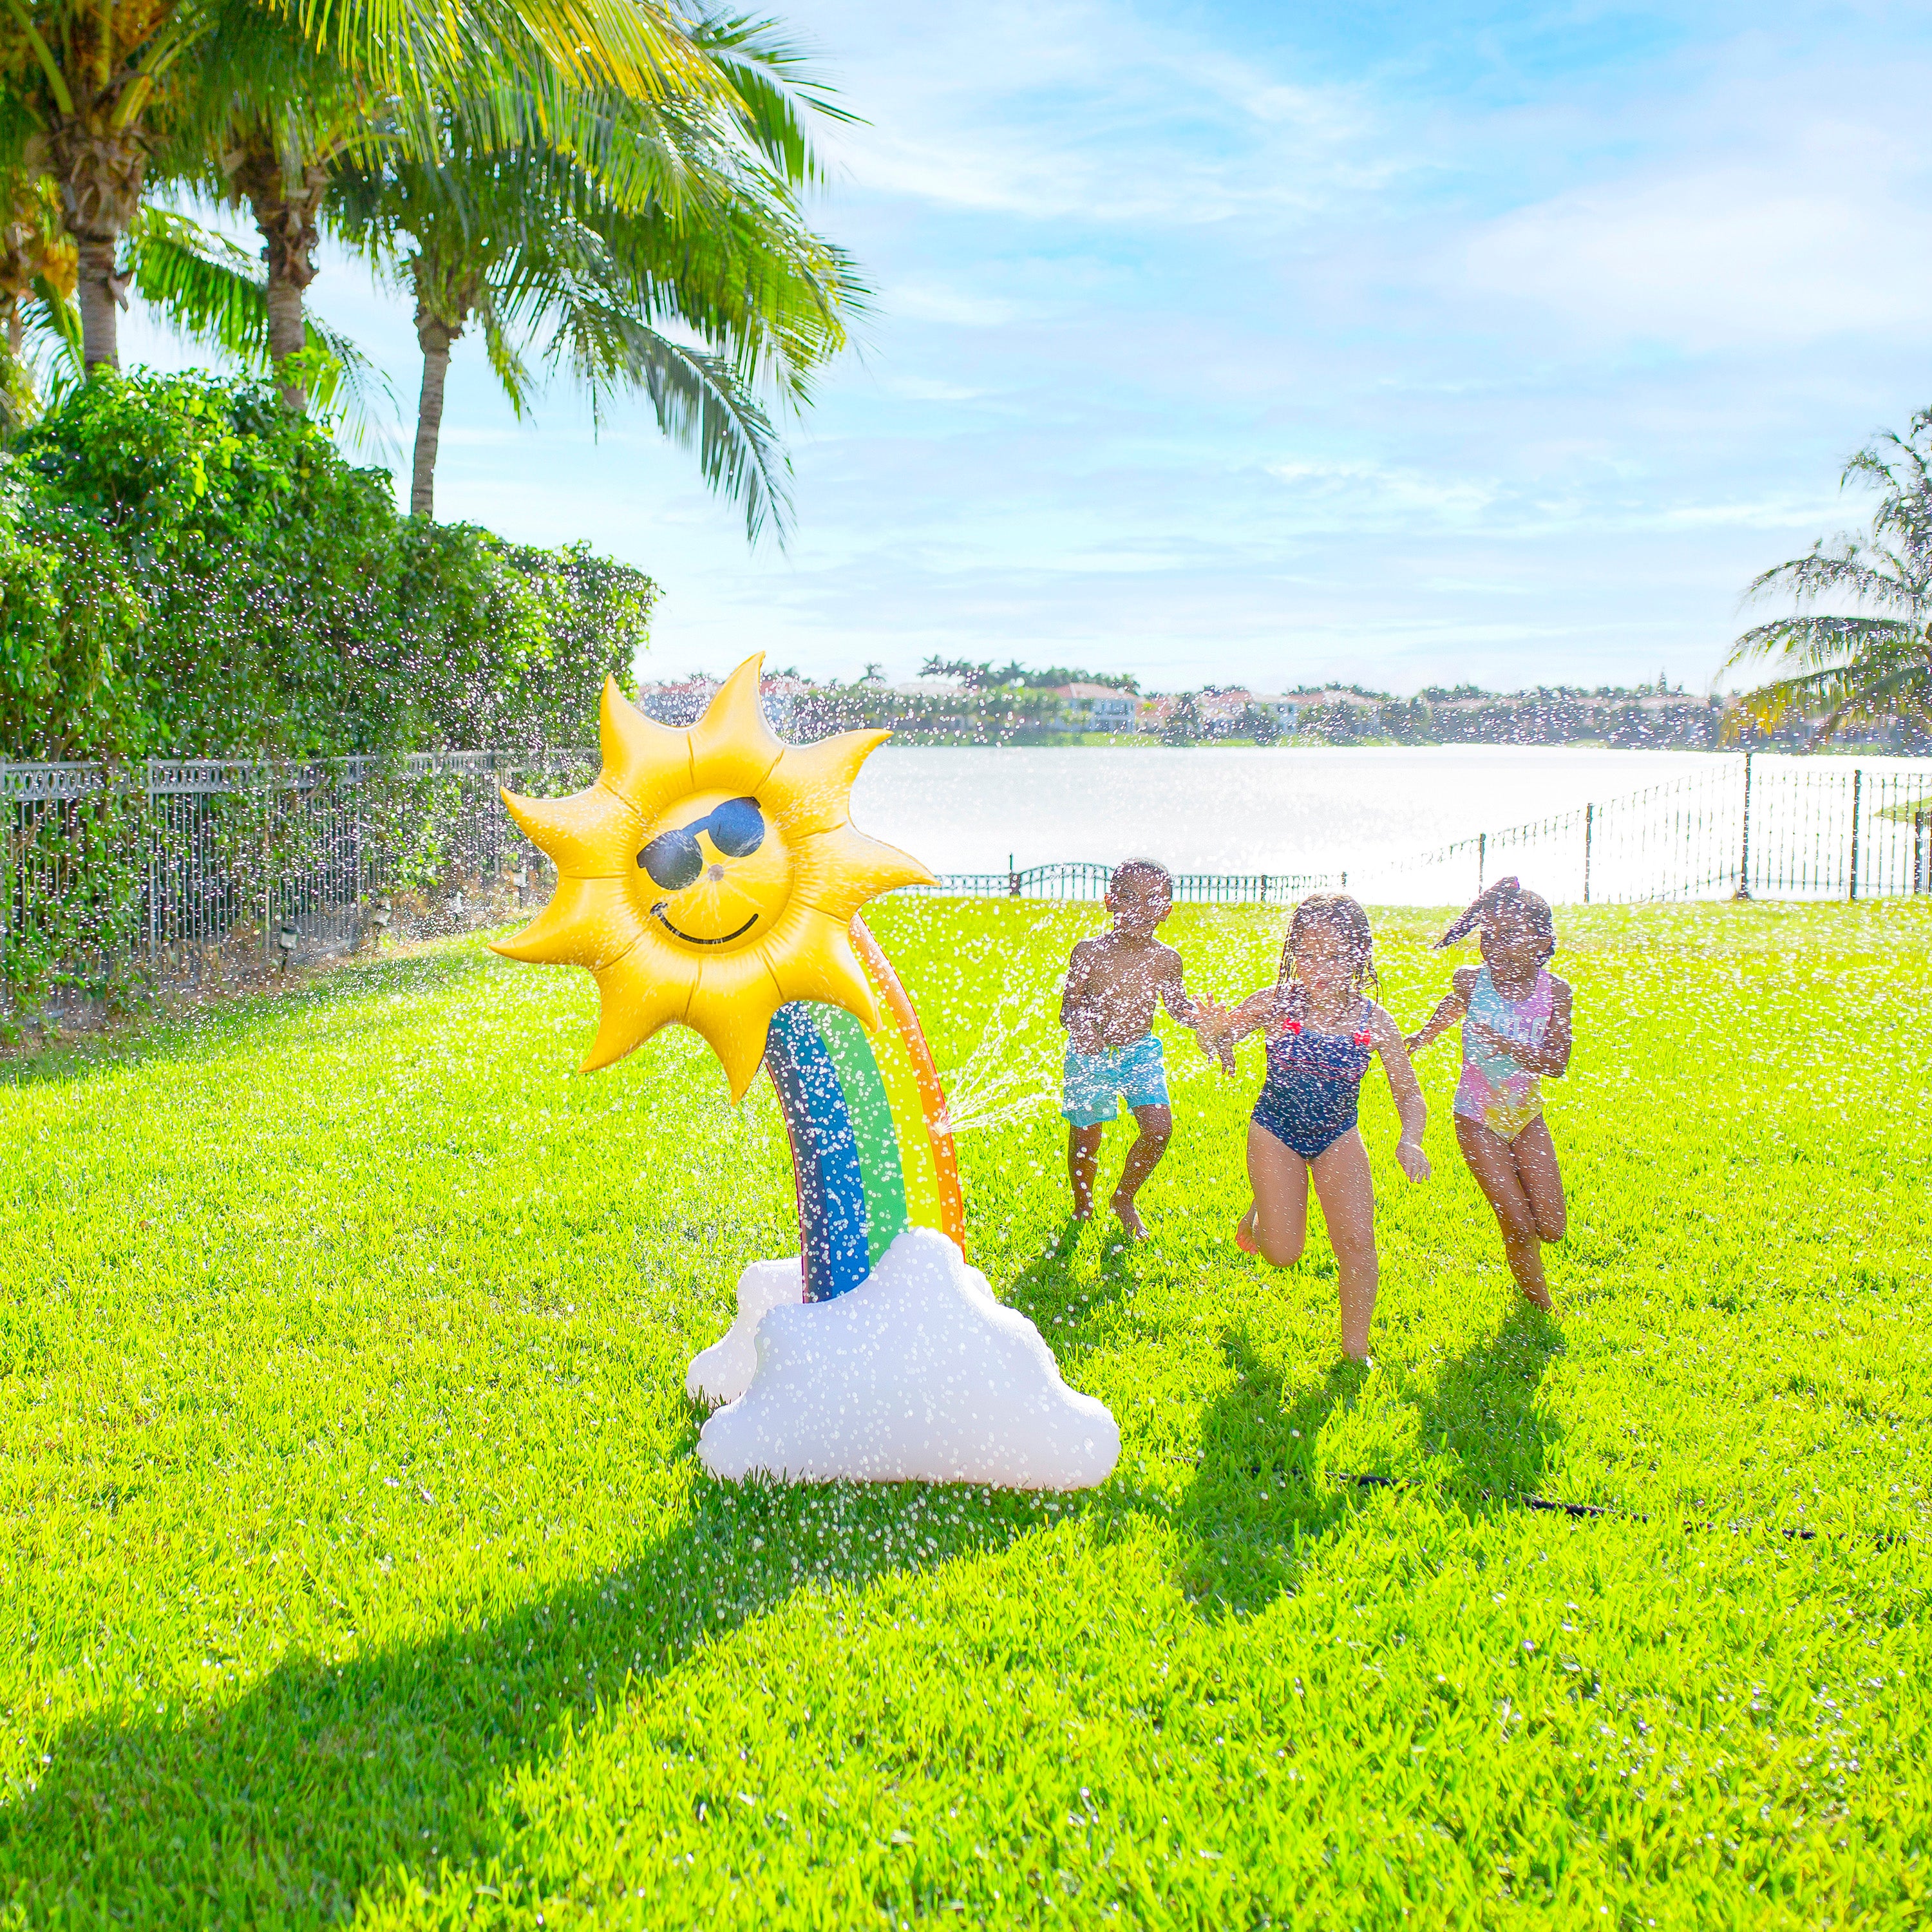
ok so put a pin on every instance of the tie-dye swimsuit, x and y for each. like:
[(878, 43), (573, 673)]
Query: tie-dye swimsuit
[(1494, 1091)]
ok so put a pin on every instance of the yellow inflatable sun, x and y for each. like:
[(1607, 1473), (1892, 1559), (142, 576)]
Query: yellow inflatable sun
[(709, 876)]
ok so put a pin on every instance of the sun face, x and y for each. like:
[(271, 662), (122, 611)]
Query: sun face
[(717, 873), (709, 876)]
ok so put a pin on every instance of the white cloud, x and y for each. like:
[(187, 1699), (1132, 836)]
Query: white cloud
[(917, 1374), (934, 302), (925, 389), (1815, 230)]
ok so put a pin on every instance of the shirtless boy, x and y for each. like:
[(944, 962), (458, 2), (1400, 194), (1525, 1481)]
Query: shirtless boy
[(1113, 985)]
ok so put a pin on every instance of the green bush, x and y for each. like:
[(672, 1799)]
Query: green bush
[(186, 569)]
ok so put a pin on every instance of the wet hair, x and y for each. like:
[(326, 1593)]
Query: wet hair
[(1338, 914), (1152, 870), (1533, 908)]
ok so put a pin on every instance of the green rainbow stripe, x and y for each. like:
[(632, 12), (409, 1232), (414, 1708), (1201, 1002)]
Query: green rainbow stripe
[(920, 1172), (853, 1055)]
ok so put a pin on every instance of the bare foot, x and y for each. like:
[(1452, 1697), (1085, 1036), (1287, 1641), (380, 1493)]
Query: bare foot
[(1244, 1235), (1539, 1297), (1130, 1219), (1083, 1211)]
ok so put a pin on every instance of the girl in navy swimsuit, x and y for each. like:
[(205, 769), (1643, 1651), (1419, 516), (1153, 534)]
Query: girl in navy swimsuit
[(1322, 1033)]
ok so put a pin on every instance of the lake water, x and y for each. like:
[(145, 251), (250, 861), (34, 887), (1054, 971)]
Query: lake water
[(1209, 809)]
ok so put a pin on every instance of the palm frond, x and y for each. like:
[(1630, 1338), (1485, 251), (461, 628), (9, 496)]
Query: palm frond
[(699, 399), (1814, 639), (1872, 660), (208, 289)]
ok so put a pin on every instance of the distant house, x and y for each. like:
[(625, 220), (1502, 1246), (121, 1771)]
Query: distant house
[(929, 687), (1353, 701), (1100, 707), (1285, 710), (1222, 711)]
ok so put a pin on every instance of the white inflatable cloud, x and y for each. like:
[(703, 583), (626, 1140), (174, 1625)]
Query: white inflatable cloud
[(917, 1374), (723, 1371)]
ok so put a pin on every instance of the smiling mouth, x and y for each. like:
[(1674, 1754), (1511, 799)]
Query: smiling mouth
[(691, 938)]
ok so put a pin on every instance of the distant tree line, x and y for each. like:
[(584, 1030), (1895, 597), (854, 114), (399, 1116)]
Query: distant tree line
[(998, 710)]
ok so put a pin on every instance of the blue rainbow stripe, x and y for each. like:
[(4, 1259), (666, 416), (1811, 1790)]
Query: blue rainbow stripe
[(831, 1213)]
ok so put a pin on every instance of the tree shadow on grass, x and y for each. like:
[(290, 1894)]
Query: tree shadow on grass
[(178, 1033), (1259, 1497), (323, 1777)]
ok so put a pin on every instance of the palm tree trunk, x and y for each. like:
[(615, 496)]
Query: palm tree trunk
[(436, 339), (285, 207), (99, 300), (100, 176)]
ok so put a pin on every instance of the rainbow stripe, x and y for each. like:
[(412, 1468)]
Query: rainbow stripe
[(865, 1115)]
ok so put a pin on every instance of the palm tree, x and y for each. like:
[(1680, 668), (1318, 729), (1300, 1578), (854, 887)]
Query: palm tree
[(36, 282), (529, 245), (213, 293), (91, 91), (1869, 660)]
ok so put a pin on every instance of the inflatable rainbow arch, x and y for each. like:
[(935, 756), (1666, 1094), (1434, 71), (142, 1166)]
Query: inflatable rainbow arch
[(866, 1118)]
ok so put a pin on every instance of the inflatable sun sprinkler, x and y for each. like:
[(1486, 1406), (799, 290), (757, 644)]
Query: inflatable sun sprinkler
[(712, 876)]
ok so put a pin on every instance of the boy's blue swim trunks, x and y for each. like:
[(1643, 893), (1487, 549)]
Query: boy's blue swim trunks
[(1136, 1072)]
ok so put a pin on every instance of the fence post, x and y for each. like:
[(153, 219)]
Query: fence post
[(1857, 786), (1743, 856), (1012, 879), (1589, 827), (1918, 852), (1482, 860)]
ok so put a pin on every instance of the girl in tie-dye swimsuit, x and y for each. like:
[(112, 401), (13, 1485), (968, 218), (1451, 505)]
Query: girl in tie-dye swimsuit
[(1515, 1031)]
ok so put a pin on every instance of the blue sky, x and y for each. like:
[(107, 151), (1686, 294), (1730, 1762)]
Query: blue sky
[(1393, 344)]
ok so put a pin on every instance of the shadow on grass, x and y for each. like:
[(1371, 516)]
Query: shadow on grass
[(322, 1777), (1258, 1494), (192, 1031), (1481, 1431)]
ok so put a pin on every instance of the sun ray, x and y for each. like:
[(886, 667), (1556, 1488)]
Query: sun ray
[(824, 966), (636, 997), (733, 748), (590, 835), (839, 870), (812, 786), (588, 922), (646, 764), (732, 1007)]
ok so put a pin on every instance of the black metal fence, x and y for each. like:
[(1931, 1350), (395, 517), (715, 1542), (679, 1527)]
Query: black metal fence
[(1086, 880), (144, 873), (1750, 827), (147, 872)]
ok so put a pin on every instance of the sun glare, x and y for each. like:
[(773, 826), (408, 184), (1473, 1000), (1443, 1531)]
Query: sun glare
[(709, 876)]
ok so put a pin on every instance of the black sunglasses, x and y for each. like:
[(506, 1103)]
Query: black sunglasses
[(737, 828)]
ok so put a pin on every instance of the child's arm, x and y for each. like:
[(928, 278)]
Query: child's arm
[(1408, 1091), (1200, 1015), (1228, 1024), (1552, 1059), (1455, 1004)]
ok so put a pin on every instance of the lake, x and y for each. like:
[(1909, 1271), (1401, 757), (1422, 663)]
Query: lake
[(1211, 809)]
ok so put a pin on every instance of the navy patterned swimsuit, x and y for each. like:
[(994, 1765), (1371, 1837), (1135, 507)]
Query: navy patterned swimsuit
[(1314, 1081)]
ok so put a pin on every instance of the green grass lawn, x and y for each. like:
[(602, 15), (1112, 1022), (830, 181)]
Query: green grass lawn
[(357, 1563)]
